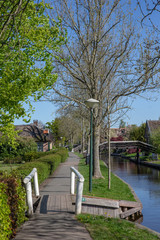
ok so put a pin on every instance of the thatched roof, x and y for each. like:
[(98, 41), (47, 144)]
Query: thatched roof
[(31, 130), (153, 125)]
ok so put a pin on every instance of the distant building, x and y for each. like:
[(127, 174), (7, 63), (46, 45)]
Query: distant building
[(116, 133), (42, 137), (151, 126)]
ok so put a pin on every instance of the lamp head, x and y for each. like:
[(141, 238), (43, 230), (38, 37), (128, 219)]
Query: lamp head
[(92, 103)]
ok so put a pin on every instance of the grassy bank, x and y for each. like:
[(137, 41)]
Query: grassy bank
[(101, 228), (119, 190), (142, 158), (8, 167)]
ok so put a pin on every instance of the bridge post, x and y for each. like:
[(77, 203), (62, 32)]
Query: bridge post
[(138, 159)]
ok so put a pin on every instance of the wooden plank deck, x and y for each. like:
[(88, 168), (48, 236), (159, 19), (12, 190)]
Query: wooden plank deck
[(55, 203)]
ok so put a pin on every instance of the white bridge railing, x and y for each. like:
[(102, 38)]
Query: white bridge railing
[(80, 182), (28, 185)]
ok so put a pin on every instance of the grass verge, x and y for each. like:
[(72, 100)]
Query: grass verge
[(8, 167), (119, 190), (101, 228)]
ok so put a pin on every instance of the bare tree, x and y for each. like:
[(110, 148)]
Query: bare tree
[(148, 8), (101, 55), (150, 15)]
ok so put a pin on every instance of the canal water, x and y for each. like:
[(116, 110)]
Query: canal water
[(145, 182)]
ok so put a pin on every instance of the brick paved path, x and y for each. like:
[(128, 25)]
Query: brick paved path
[(54, 217)]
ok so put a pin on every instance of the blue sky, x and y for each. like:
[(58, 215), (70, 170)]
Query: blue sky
[(142, 110)]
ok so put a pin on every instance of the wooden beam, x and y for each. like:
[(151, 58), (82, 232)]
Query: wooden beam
[(130, 212)]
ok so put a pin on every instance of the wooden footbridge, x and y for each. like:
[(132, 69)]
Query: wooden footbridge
[(127, 145), (138, 145), (54, 217)]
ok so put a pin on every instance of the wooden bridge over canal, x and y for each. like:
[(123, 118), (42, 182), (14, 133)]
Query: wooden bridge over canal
[(138, 145), (127, 145)]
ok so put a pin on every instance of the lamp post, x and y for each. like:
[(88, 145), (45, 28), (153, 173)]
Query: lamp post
[(91, 103)]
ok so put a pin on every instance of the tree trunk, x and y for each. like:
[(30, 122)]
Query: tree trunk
[(83, 139), (109, 158), (97, 171)]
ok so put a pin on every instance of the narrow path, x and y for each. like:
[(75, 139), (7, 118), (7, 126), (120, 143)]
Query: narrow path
[(54, 217)]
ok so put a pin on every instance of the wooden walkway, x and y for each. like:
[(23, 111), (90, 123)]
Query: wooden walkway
[(55, 203), (54, 217)]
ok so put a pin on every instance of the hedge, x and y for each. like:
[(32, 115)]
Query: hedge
[(12, 202), (30, 156), (5, 221), (63, 153), (52, 161), (42, 169), (45, 165)]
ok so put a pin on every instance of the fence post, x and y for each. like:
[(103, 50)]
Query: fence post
[(36, 187), (29, 198), (72, 182)]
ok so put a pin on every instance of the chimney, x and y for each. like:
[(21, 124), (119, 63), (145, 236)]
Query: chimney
[(35, 122)]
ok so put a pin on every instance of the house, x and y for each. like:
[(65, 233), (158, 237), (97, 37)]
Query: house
[(42, 137), (151, 126), (121, 133)]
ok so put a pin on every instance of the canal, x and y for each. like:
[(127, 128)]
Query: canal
[(146, 183)]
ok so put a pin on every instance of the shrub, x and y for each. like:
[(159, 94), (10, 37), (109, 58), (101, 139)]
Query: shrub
[(42, 169), (52, 160), (46, 164), (23, 145), (63, 152), (5, 221), (12, 160), (29, 156), (15, 195), (32, 156)]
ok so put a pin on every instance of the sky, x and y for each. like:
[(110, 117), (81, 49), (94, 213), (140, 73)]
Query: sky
[(141, 111)]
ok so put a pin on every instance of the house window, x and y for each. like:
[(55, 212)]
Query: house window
[(40, 146)]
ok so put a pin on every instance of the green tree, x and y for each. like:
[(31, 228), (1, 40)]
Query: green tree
[(155, 139), (122, 124), (66, 128), (25, 60), (54, 126), (137, 133), (23, 145)]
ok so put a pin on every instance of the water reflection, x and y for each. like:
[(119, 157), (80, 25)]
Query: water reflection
[(146, 183)]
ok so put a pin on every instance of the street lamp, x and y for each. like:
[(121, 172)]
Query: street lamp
[(91, 103)]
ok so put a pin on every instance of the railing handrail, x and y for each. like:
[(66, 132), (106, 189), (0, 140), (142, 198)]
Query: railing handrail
[(80, 177), (30, 176), (27, 181), (80, 182)]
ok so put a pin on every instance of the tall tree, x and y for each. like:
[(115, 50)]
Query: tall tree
[(155, 139), (122, 124), (150, 13), (26, 40), (100, 56), (137, 133)]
